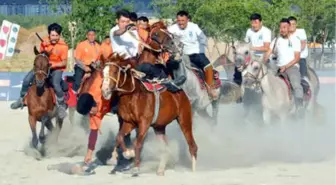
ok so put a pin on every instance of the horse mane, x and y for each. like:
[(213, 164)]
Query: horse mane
[(158, 25), (121, 60)]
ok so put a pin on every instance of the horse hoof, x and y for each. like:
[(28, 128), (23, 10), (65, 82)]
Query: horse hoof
[(128, 154), (160, 173), (135, 172)]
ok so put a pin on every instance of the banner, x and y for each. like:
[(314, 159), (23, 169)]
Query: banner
[(4, 32), (12, 40)]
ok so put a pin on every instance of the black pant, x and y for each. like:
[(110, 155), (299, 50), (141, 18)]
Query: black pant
[(303, 67), (237, 76), (78, 76), (153, 70), (57, 83), (200, 60)]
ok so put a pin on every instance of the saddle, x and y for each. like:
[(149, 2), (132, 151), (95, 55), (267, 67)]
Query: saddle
[(153, 86), (304, 84), (201, 76)]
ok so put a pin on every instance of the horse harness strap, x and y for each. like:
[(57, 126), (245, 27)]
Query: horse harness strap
[(143, 43), (156, 106)]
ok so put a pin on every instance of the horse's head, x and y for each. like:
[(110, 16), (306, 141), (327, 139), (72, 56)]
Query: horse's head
[(115, 74), (253, 73), (41, 67), (161, 39), (241, 55)]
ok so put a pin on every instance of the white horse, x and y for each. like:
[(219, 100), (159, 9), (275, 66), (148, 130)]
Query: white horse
[(199, 97), (277, 99)]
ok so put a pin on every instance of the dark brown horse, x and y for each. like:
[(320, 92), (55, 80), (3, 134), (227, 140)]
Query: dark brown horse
[(40, 99), (141, 108)]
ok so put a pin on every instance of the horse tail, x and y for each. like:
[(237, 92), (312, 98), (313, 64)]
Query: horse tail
[(317, 88)]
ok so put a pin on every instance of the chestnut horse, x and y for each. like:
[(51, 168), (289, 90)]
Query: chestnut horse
[(40, 99), (140, 108)]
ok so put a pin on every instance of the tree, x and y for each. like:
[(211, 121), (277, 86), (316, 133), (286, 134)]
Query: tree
[(164, 9)]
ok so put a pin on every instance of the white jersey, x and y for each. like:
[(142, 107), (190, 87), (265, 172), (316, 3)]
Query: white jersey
[(125, 43), (301, 35), (257, 39), (285, 49), (192, 37)]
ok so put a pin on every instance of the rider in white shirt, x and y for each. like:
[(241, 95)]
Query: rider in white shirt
[(194, 44), (122, 41), (260, 38), (288, 51), (301, 35)]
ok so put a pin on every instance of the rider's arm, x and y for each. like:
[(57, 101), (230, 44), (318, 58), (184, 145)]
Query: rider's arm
[(297, 50), (303, 38), (269, 51), (201, 36), (247, 36)]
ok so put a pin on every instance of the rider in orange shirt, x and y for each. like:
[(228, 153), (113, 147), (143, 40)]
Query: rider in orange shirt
[(58, 56), (96, 106), (87, 56), (143, 28), (106, 47)]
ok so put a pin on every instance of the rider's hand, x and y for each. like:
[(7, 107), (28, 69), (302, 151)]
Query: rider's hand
[(131, 27), (283, 69), (87, 69), (94, 110), (44, 43)]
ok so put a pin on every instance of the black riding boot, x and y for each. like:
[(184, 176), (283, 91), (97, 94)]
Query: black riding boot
[(179, 74)]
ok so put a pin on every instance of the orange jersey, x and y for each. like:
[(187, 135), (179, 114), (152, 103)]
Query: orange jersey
[(103, 105), (87, 53), (143, 34), (106, 49), (58, 52)]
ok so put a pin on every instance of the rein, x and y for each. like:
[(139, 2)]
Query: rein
[(117, 80), (256, 79)]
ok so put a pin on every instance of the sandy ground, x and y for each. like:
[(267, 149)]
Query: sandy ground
[(233, 153)]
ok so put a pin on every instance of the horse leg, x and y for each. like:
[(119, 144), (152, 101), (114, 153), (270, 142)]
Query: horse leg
[(44, 121), (127, 153), (267, 116), (32, 123), (49, 125), (59, 124), (142, 131), (185, 121), (204, 114), (161, 136), (215, 109)]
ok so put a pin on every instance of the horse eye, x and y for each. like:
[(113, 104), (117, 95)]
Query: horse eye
[(255, 68)]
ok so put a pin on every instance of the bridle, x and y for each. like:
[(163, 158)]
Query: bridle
[(153, 37), (256, 79), (121, 69), (46, 74), (246, 56)]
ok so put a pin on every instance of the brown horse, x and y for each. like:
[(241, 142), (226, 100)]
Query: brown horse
[(40, 99), (141, 108)]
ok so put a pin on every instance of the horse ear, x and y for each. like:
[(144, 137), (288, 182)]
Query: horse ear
[(36, 51)]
